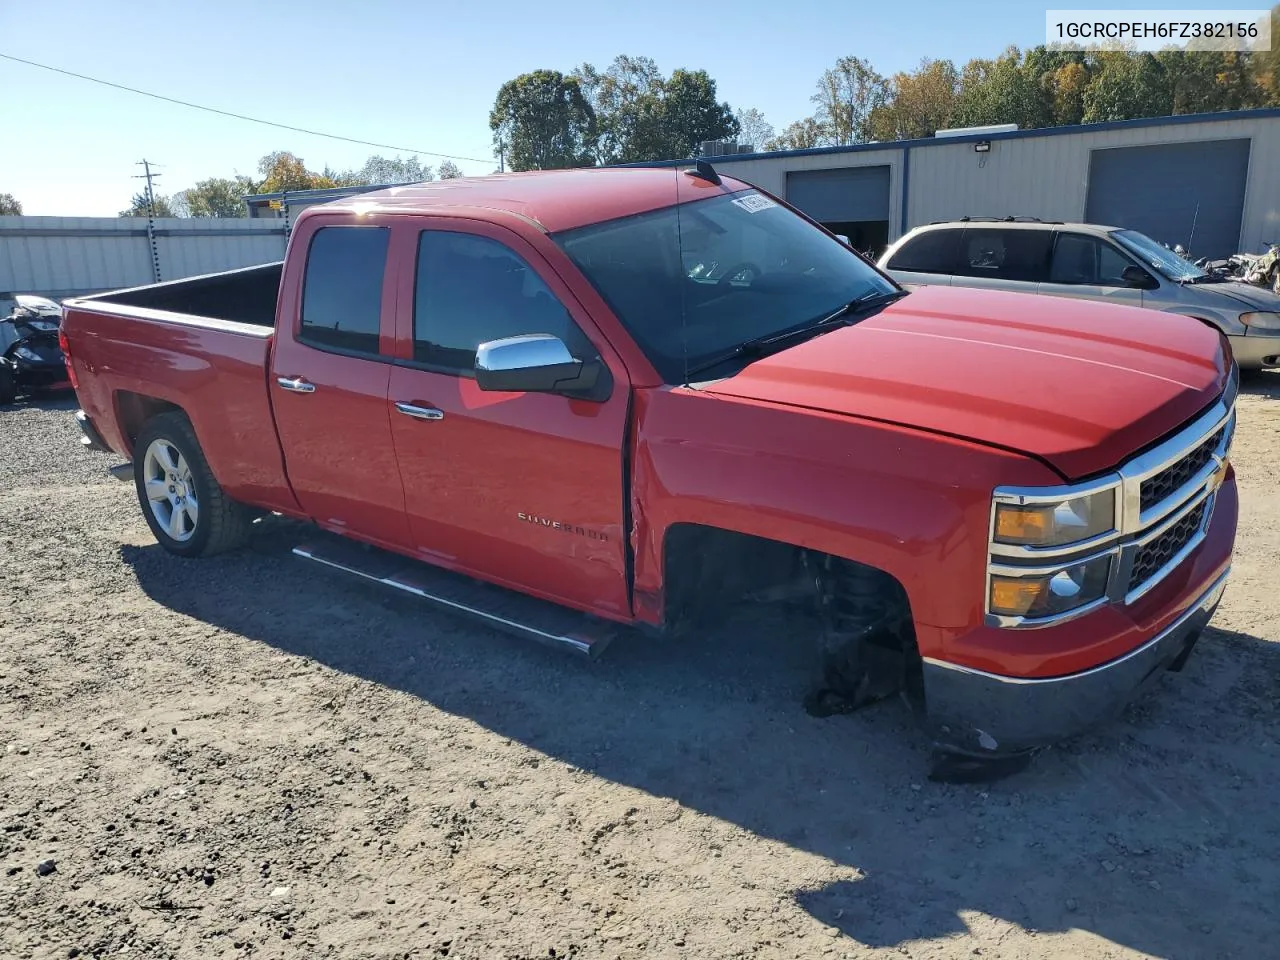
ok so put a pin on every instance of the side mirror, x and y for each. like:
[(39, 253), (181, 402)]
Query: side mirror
[(534, 363), (843, 239), (1135, 276)]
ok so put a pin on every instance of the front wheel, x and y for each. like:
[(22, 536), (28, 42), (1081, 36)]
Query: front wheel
[(188, 512)]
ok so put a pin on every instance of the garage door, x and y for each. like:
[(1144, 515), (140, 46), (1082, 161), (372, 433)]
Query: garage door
[(1187, 193), (846, 195)]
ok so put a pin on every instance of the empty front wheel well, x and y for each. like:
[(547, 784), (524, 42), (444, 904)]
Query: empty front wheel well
[(133, 410), (708, 570)]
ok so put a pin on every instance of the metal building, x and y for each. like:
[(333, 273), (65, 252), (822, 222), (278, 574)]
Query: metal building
[(1208, 181), (72, 256)]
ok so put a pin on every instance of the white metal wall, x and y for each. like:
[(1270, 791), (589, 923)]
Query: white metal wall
[(64, 256)]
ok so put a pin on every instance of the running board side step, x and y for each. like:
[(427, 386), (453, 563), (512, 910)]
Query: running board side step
[(505, 610)]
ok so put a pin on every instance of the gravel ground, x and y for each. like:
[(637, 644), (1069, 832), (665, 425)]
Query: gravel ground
[(249, 756)]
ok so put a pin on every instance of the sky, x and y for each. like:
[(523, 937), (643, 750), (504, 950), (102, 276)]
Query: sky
[(417, 75)]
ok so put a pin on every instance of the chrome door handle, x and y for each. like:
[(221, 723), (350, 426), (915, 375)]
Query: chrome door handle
[(295, 384), (419, 413)]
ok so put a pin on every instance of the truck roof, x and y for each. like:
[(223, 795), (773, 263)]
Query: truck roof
[(553, 199)]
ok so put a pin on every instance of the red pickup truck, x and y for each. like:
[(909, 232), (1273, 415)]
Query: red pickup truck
[(568, 401)]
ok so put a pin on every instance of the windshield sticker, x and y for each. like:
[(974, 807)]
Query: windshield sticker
[(754, 203)]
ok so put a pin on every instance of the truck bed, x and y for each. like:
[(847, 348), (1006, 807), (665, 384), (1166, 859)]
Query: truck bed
[(247, 295), (200, 345)]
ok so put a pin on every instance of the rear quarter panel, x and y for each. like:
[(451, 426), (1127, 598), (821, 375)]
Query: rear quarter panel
[(214, 371), (913, 504)]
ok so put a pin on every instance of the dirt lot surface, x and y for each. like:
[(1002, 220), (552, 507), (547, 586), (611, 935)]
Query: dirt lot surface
[(249, 756)]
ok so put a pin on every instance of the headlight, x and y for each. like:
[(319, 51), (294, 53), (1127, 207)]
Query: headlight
[(1050, 594), (26, 353), (1055, 524), (1261, 321)]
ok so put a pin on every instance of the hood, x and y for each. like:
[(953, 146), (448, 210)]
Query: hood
[(1245, 294), (41, 306), (1080, 384)]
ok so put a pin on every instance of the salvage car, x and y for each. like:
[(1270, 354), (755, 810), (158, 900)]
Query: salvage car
[(1007, 508), (1093, 262), (30, 359)]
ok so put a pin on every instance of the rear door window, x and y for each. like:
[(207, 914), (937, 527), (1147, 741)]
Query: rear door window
[(342, 289), (934, 251), (999, 254)]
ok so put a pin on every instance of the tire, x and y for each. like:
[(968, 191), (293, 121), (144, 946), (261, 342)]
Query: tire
[(188, 512), (8, 386)]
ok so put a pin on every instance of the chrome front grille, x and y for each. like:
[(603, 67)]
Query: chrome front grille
[(1171, 479), (1164, 502), (1152, 557)]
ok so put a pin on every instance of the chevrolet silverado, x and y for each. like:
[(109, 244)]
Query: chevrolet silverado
[(567, 402)]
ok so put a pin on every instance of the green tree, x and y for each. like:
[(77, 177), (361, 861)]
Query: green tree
[(687, 115), (642, 115), (140, 208), (1264, 65), (1003, 90), (1127, 86), (542, 121), (9, 206), (800, 135), (753, 128), (449, 170), (847, 95), (216, 197), (624, 98), (1208, 81)]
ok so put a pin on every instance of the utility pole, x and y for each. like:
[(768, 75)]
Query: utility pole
[(502, 163), (148, 176), (151, 217)]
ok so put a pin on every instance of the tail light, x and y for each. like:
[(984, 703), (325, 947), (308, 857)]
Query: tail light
[(65, 347)]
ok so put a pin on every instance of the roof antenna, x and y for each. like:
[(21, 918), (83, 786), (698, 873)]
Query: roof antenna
[(704, 171)]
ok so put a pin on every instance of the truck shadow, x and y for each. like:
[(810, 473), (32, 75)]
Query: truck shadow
[(1157, 833)]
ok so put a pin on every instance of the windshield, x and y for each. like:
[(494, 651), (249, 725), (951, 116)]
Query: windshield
[(712, 274), (1160, 257)]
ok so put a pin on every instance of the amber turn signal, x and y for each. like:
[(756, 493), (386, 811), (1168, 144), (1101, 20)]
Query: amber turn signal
[(1022, 524), (1015, 596), (1056, 523), (1052, 594)]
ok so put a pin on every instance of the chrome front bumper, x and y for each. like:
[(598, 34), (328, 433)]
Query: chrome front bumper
[(978, 712)]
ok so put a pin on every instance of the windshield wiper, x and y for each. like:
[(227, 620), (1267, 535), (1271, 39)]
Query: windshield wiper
[(758, 347), (865, 304)]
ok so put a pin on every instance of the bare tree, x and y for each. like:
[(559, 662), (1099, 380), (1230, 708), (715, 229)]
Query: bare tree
[(847, 95), (753, 128)]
